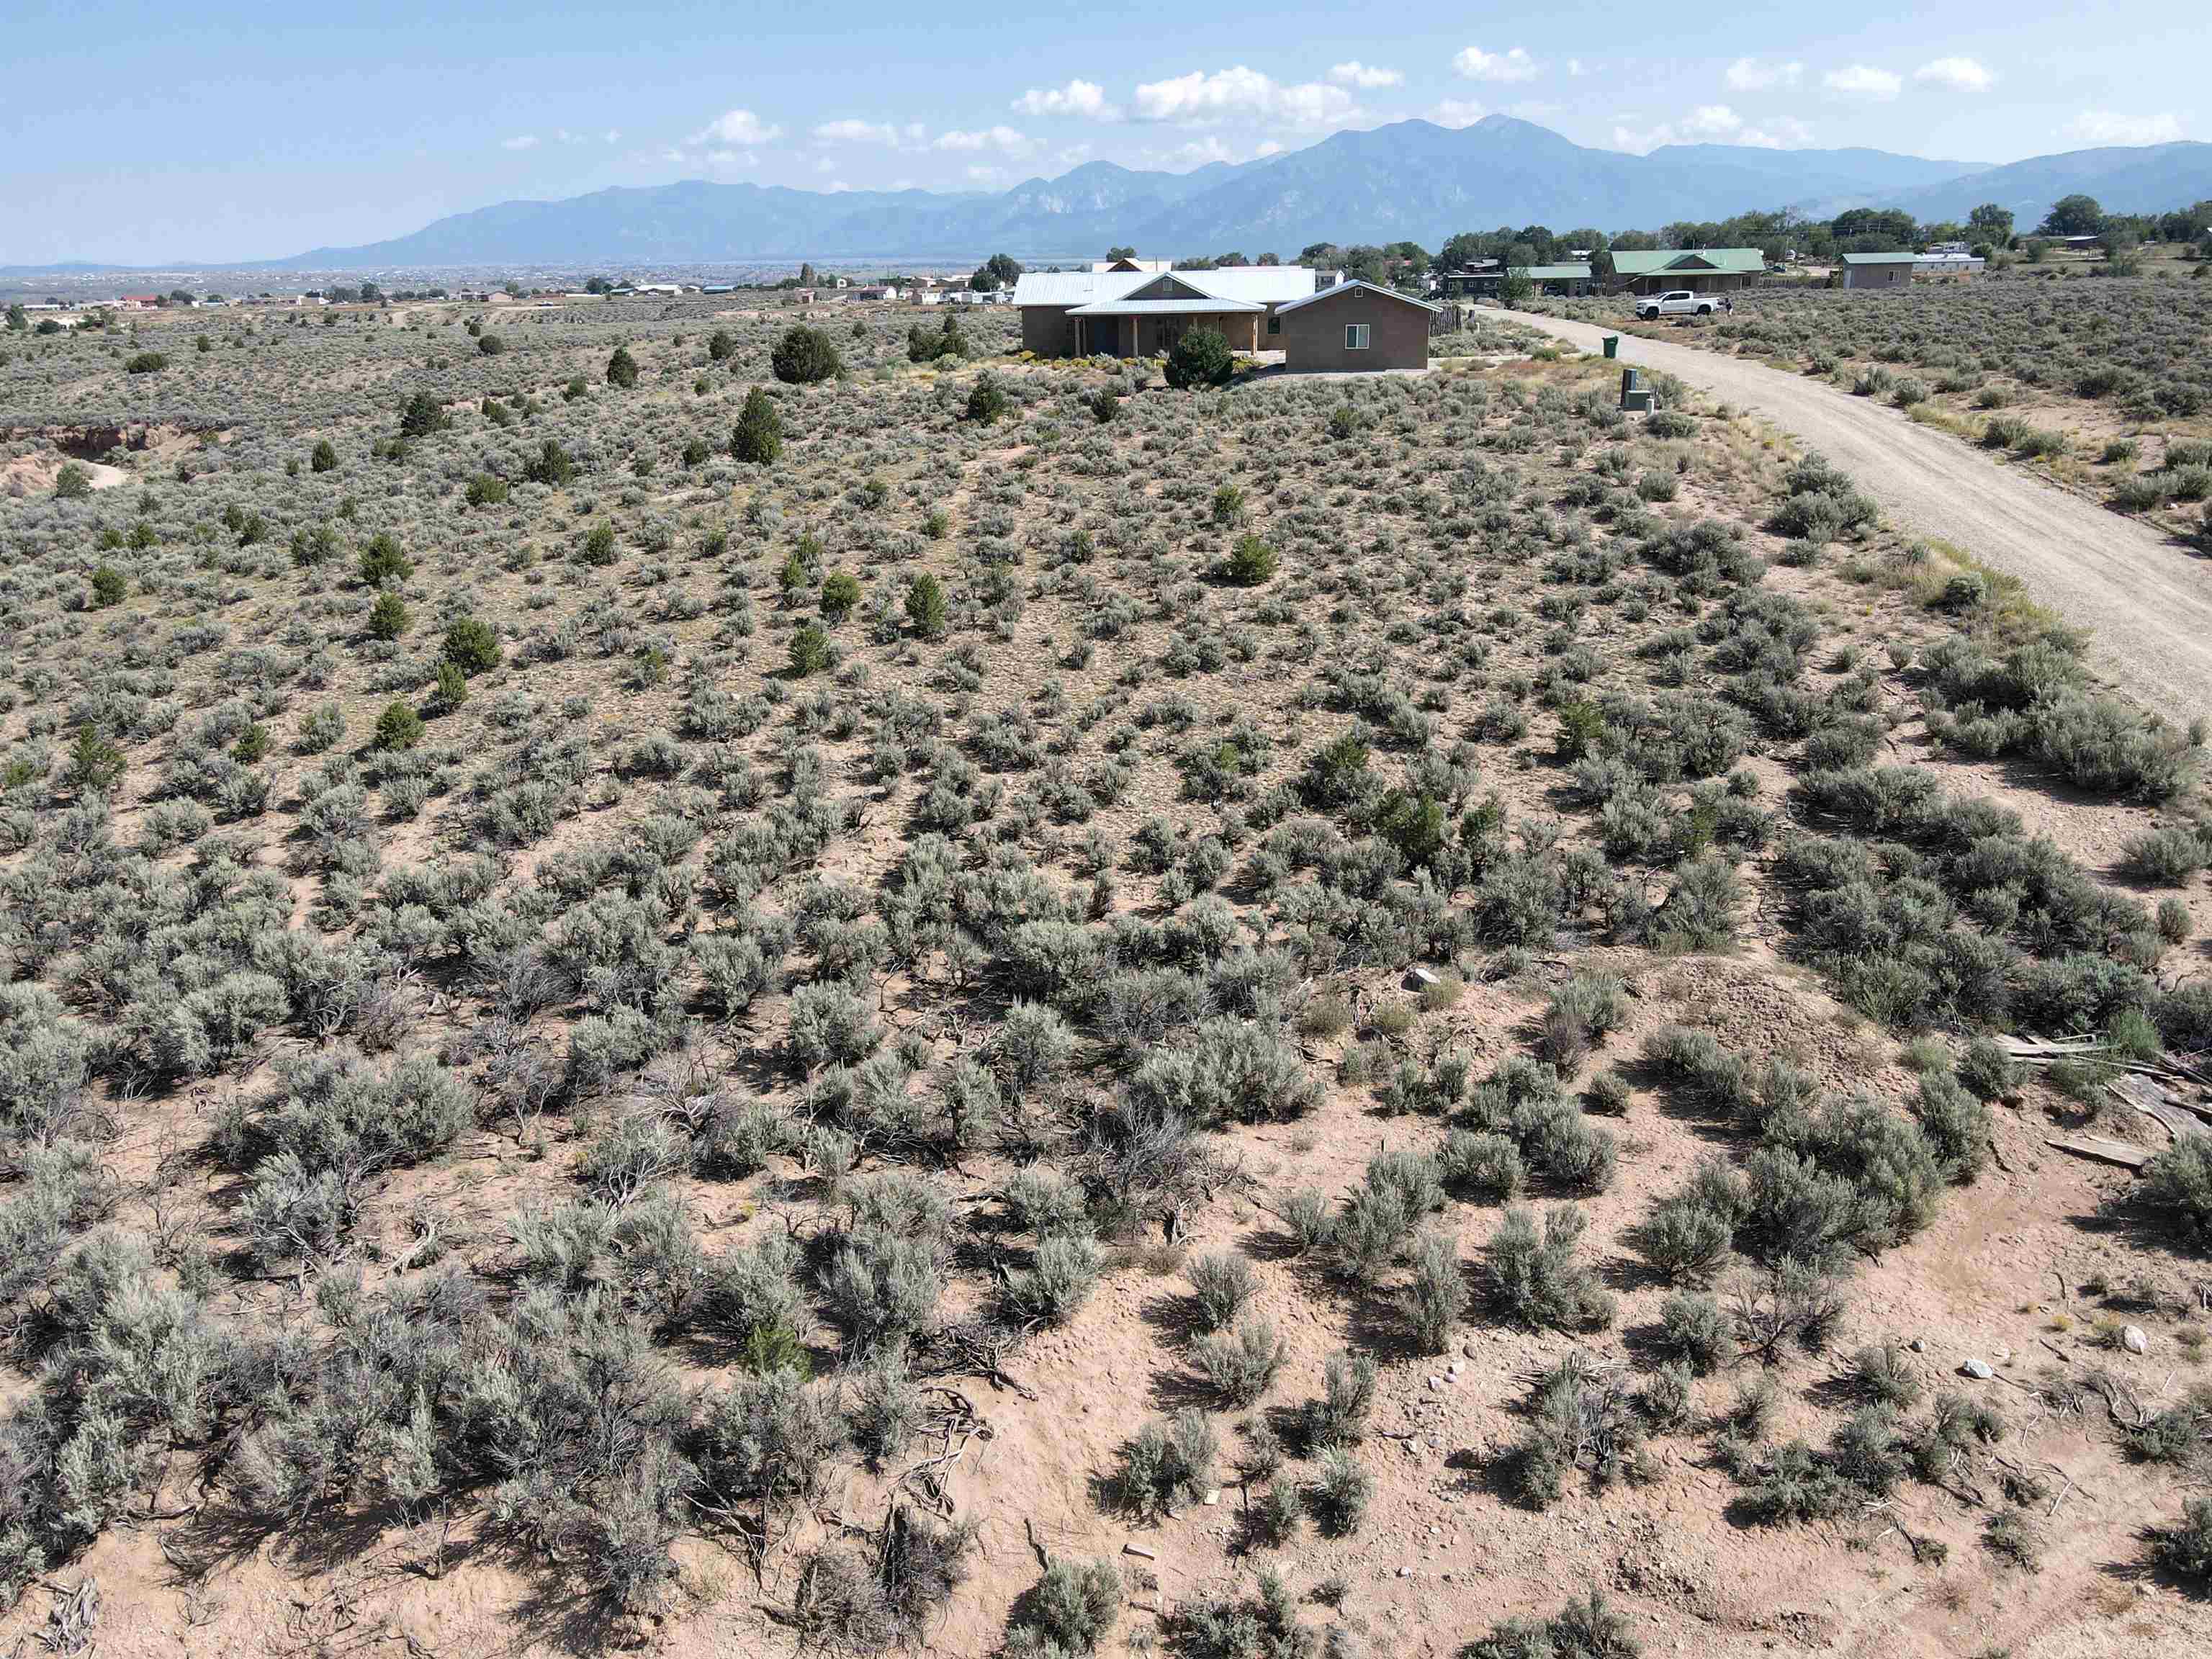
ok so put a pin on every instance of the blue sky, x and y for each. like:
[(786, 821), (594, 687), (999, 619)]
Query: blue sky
[(143, 133)]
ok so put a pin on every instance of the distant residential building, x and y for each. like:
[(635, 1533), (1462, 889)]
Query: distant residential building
[(1472, 280), (1153, 267), (1699, 270), (139, 302), (1946, 262), (1571, 280), (1879, 270)]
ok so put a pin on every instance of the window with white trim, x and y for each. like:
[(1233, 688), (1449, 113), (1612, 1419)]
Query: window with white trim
[(1355, 336)]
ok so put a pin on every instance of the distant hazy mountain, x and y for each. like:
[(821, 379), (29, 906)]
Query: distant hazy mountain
[(1413, 179), (2151, 178)]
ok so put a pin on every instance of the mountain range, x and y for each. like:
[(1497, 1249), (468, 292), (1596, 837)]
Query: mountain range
[(1412, 180)]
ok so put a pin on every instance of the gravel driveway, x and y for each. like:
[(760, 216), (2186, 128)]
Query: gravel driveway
[(2147, 598)]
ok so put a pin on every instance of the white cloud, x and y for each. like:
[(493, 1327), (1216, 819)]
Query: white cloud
[(1195, 153), (1714, 123), (612, 136), (1959, 74), (738, 126), (1574, 66), (1080, 98), (2101, 127), (1476, 64), (1004, 139), (1457, 112), (1756, 75), (849, 130), (1366, 77), (1198, 99), (1271, 148), (521, 140), (1863, 81)]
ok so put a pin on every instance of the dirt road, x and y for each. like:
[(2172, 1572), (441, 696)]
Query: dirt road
[(2147, 601)]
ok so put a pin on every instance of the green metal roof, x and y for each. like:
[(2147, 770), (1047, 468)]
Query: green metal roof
[(1658, 262), (1904, 258), (1558, 273)]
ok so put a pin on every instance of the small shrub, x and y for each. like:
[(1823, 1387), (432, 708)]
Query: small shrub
[(2177, 1184), (804, 356), (2186, 1546), (1240, 1364), (1222, 1286), (1168, 1464), (757, 437), (1537, 1278), (926, 605), (841, 594), (1072, 1611), (1693, 1329), (389, 618), (398, 726), (987, 400), (471, 646), (1340, 1493), (810, 650), (1252, 561), (1201, 358)]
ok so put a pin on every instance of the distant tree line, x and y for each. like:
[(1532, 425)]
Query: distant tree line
[(1779, 235)]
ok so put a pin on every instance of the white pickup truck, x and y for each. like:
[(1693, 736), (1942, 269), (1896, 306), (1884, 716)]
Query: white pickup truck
[(1681, 303)]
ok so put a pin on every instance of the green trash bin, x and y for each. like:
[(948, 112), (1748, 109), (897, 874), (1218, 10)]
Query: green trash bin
[(1613, 345)]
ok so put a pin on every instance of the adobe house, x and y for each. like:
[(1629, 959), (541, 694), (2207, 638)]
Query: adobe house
[(1354, 327), (1699, 270), (1121, 313), (1878, 269)]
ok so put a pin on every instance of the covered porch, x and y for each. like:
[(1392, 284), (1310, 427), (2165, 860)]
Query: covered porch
[(1149, 328)]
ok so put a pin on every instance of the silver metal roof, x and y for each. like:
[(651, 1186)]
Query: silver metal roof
[(1162, 308), (1076, 287), (1262, 285), (1253, 285), (1346, 287)]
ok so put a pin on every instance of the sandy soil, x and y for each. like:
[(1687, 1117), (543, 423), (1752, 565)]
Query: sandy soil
[(35, 474), (2148, 600)]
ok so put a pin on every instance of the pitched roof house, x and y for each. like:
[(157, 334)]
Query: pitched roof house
[(1120, 314), (1572, 279), (1352, 328), (1879, 270), (1699, 270)]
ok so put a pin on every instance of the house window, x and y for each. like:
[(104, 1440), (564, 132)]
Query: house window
[(1274, 323), (1355, 336)]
